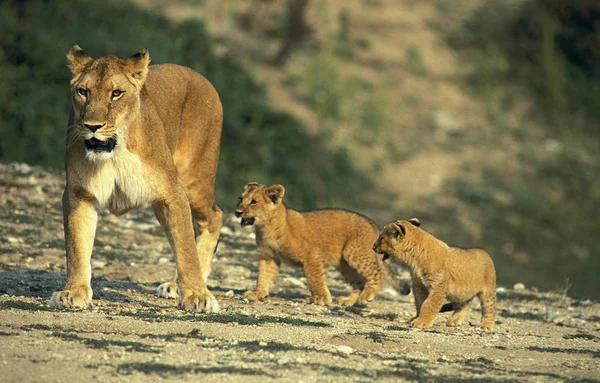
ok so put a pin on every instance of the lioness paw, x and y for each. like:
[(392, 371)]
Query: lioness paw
[(486, 326), (168, 290), (203, 302), (256, 295), (68, 299)]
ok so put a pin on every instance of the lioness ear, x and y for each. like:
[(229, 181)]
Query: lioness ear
[(275, 192), (78, 59), (250, 184), (138, 66), (415, 222)]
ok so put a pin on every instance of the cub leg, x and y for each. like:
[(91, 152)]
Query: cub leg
[(420, 292), (268, 268), (315, 276), (365, 263), (354, 279), (80, 219), (460, 312), (431, 307), (488, 309), (174, 214)]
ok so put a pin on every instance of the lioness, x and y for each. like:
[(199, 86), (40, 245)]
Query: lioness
[(441, 272), (314, 240), (140, 135)]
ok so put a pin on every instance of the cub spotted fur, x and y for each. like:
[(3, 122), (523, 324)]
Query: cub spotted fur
[(139, 136), (441, 272), (313, 240)]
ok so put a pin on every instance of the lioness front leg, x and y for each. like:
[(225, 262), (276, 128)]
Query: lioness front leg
[(80, 219), (315, 276), (268, 268), (175, 216)]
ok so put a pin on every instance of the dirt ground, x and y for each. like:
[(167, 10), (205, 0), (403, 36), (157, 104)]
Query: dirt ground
[(131, 335)]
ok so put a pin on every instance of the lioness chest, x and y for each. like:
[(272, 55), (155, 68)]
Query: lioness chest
[(120, 184)]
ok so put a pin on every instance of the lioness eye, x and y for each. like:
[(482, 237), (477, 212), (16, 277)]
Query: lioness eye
[(116, 93), (253, 202), (82, 91)]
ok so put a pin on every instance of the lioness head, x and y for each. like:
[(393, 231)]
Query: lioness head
[(391, 237), (258, 202), (106, 98)]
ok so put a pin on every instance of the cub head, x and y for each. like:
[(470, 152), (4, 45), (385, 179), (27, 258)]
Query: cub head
[(258, 202), (105, 96), (392, 237)]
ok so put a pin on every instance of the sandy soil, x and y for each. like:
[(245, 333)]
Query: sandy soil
[(131, 335)]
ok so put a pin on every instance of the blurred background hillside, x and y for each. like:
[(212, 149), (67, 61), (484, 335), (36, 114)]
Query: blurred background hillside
[(479, 117)]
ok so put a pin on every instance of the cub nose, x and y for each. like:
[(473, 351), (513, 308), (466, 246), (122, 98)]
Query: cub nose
[(238, 214), (94, 126)]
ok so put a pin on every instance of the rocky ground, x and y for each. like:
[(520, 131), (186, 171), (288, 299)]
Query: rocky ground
[(132, 335)]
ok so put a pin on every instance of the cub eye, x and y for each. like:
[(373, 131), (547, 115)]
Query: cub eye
[(116, 93), (82, 91), (253, 202)]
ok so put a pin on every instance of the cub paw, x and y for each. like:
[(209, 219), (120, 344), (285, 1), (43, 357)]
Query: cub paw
[(257, 295), (486, 326), (347, 301), (421, 323), (322, 300), (204, 302), (168, 290), (366, 296), (453, 322), (67, 299)]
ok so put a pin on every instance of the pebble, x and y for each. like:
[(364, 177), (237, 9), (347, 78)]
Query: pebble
[(98, 264), (346, 350), (229, 294), (519, 286), (295, 282), (500, 290), (226, 231), (262, 344), (551, 315), (163, 260), (282, 361)]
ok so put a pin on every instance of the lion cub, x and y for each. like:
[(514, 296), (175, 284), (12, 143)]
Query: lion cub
[(441, 272), (313, 240)]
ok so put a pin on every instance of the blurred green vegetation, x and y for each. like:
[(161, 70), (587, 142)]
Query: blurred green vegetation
[(258, 144), (542, 223)]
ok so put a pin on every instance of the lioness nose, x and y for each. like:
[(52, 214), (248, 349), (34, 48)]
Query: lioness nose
[(93, 127), (238, 214)]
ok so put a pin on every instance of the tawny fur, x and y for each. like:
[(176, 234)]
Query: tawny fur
[(440, 272), (314, 240), (167, 123)]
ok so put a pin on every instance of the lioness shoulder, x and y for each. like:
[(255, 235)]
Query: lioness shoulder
[(440, 272), (313, 240)]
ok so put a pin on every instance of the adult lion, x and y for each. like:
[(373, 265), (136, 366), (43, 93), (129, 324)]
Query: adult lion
[(141, 136)]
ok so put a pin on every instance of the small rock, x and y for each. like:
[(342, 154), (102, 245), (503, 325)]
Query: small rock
[(295, 282), (282, 361), (226, 230), (346, 350), (262, 344), (98, 264), (551, 315), (229, 294), (22, 168), (132, 264), (107, 247), (519, 286), (13, 240), (500, 290), (163, 260)]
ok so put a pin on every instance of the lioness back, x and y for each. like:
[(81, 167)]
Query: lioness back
[(441, 272), (313, 240)]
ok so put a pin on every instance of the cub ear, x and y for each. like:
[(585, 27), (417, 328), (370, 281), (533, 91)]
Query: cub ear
[(275, 192), (78, 59), (415, 222), (251, 184), (399, 230), (137, 65)]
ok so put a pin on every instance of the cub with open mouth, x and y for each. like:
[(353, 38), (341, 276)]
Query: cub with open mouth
[(440, 272), (314, 240)]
